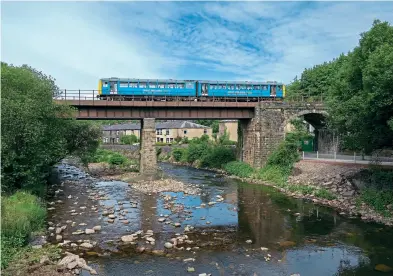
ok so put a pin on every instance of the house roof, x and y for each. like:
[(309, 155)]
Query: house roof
[(162, 125)]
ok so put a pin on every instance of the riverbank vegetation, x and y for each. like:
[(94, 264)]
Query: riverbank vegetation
[(357, 89), (205, 152), (21, 214), (114, 160), (36, 134)]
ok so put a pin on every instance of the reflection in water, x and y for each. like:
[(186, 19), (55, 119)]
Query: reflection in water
[(301, 237)]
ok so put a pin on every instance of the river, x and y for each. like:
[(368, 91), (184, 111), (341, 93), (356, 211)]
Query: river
[(288, 236)]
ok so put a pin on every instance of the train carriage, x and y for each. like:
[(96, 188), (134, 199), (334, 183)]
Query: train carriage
[(135, 89), (243, 90), (197, 90)]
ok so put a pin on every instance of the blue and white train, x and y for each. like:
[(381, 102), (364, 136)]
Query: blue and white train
[(197, 90)]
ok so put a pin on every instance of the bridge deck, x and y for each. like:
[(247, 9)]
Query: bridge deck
[(90, 107)]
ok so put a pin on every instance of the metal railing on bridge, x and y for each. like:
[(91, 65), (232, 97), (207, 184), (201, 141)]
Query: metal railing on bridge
[(93, 95)]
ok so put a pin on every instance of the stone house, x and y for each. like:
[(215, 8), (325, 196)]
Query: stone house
[(166, 132)]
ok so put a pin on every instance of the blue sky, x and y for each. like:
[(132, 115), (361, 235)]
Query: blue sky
[(79, 42)]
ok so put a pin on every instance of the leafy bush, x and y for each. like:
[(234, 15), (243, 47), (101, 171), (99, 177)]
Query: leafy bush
[(110, 157), (217, 157), (238, 168), (22, 213), (178, 154), (129, 139), (197, 150), (285, 156), (117, 159)]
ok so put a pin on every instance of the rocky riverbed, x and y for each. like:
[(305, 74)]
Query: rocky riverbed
[(207, 224)]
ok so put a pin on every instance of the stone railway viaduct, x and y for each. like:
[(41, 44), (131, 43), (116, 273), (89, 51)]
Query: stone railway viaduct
[(261, 123)]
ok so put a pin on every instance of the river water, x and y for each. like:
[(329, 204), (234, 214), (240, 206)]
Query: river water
[(297, 237)]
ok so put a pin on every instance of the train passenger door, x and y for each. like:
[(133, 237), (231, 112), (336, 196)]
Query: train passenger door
[(113, 87), (272, 90), (204, 89)]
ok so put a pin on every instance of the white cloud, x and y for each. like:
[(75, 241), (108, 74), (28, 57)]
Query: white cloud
[(78, 43)]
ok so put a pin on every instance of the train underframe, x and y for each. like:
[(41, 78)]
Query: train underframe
[(187, 98)]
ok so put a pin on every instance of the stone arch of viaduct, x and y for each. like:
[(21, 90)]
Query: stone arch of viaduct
[(259, 136)]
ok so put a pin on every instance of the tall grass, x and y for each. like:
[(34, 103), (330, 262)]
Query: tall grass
[(22, 213)]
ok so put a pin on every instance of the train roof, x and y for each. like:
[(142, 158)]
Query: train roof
[(202, 81)]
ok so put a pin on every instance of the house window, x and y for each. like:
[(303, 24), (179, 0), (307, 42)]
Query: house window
[(167, 132), (185, 131), (117, 133), (117, 140), (167, 140), (159, 131), (171, 140), (205, 131), (158, 139)]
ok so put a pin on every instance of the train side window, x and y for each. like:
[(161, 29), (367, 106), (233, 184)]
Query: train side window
[(180, 85), (171, 85), (237, 87), (257, 87), (249, 87), (105, 84), (133, 84), (161, 85), (152, 85), (212, 86), (242, 87), (142, 85), (279, 87), (189, 85), (232, 87), (124, 84)]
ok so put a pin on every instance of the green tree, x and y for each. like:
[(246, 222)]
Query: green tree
[(361, 96), (36, 132), (357, 88)]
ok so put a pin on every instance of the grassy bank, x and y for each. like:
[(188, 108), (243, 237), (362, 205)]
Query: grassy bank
[(22, 214)]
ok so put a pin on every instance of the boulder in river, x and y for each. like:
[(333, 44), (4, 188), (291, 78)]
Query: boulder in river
[(89, 231), (97, 228), (129, 238)]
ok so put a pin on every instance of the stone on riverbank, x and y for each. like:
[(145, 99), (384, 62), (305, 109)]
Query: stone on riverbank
[(165, 185)]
